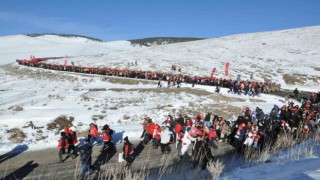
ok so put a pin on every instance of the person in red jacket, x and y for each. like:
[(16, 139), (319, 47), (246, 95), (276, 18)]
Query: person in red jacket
[(156, 136), (107, 141), (212, 137), (149, 131), (177, 128), (62, 145), (128, 150), (188, 123), (93, 133)]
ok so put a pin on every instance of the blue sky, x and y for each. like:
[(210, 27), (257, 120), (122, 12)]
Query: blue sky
[(131, 19)]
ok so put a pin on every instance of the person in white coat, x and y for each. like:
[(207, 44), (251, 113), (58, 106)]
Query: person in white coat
[(165, 139), (186, 141), (249, 140)]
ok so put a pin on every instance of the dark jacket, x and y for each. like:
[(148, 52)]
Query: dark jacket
[(86, 154), (207, 117), (128, 148), (201, 151), (285, 115), (64, 137)]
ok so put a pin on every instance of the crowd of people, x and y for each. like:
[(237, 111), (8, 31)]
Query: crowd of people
[(251, 88), (252, 129), (173, 79), (68, 140)]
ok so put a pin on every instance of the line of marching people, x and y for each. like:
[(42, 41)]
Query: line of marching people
[(172, 78)]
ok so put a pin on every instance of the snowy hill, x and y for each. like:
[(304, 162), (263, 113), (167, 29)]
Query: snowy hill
[(21, 47), (289, 57)]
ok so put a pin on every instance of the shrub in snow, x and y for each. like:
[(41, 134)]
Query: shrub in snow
[(16, 135), (60, 123), (16, 108)]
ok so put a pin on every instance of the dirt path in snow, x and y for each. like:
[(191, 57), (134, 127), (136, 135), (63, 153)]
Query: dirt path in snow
[(44, 164)]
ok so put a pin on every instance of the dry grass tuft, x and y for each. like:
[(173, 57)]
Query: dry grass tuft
[(122, 80), (16, 135), (299, 78), (215, 168), (97, 89), (221, 98), (295, 145), (196, 92), (60, 122), (16, 108), (30, 124), (292, 79)]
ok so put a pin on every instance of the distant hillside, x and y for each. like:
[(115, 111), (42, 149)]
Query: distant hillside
[(153, 41), (65, 35)]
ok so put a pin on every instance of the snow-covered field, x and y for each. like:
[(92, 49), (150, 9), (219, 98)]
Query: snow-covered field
[(40, 96)]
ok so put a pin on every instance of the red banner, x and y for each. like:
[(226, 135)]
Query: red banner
[(212, 73), (226, 71)]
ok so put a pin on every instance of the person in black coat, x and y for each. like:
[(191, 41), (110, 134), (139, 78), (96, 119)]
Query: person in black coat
[(296, 93), (86, 159), (180, 120), (285, 114), (201, 153), (72, 138)]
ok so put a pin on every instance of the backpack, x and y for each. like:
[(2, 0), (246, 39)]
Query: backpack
[(111, 132)]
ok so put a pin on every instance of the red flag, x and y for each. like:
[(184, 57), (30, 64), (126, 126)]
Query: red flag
[(65, 63), (212, 73), (226, 72)]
